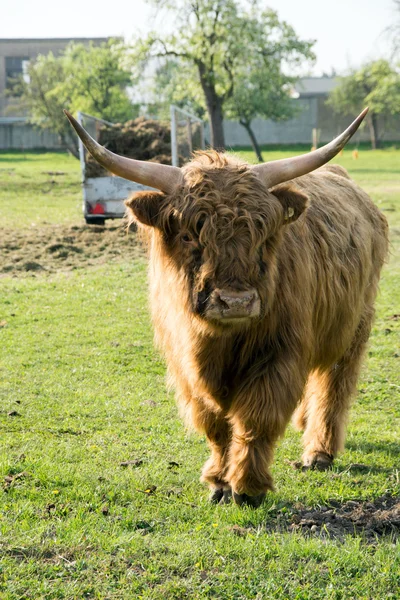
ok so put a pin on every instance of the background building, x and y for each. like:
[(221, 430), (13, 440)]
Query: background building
[(15, 55), (311, 94)]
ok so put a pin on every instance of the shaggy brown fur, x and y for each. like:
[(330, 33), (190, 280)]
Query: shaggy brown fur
[(313, 249)]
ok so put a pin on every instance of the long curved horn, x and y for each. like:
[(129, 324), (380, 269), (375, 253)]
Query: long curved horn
[(162, 177), (278, 171)]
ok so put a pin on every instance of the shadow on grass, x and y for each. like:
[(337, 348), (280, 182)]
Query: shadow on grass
[(357, 469), (391, 448), (13, 159), (24, 154)]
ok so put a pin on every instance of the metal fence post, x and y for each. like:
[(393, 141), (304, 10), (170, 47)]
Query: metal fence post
[(189, 135), (174, 145)]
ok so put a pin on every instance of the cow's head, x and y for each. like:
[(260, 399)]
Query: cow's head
[(219, 230), (217, 222)]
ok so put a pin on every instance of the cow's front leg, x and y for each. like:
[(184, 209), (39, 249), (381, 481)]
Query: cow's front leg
[(250, 456), (210, 419), (214, 470), (259, 416)]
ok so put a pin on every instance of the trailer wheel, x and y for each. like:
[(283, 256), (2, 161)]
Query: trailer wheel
[(95, 220)]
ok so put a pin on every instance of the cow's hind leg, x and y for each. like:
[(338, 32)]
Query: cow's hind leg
[(324, 409), (299, 418)]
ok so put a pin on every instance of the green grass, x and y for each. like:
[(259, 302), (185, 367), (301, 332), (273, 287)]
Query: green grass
[(32, 194), (78, 365)]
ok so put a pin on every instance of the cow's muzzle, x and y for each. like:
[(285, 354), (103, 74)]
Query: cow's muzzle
[(230, 305)]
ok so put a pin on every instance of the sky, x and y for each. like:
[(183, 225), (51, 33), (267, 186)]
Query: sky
[(348, 32)]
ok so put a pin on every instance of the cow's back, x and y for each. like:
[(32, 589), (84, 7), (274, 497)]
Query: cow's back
[(331, 258)]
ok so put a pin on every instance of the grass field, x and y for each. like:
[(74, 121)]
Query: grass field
[(100, 494)]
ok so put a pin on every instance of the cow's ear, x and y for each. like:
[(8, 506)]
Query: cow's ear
[(145, 207), (293, 201)]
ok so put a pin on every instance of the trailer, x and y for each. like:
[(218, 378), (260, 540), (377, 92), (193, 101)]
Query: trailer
[(103, 196)]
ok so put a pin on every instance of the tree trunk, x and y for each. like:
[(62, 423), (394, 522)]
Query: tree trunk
[(253, 139), (216, 126), (373, 128), (71, 144), (214, 109)]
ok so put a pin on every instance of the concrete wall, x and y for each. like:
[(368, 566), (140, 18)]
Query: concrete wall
[(313, 113), (294, 131), (16, 135), (332, 124)]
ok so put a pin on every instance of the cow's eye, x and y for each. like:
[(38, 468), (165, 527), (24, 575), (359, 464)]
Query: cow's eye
[(186, 238), (199, 226)]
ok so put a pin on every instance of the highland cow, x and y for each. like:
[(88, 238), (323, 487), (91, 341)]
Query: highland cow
[(262, 286)]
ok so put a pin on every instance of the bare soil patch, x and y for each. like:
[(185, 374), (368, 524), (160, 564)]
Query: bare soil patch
[(54, 248), (369, 520)]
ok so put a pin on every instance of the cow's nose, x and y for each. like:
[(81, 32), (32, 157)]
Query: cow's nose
[(232, 300), (232, 304)]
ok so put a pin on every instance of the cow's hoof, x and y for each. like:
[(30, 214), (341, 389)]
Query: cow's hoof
[(220, 496), (245, 500), (226, 497), (318, 460), (216, 495)]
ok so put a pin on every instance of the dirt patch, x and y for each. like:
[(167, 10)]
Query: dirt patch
[(52, 555), (49, 249), (369, 520)]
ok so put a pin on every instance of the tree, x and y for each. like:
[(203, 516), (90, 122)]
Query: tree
[(261, 90), (259, 96), (377, 85), (175, 82), (91, 78), (43, 97), (393, 31), (219, 39)]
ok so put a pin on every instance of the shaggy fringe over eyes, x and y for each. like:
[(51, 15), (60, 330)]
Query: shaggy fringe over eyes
[(237, 198), (227, 214)]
